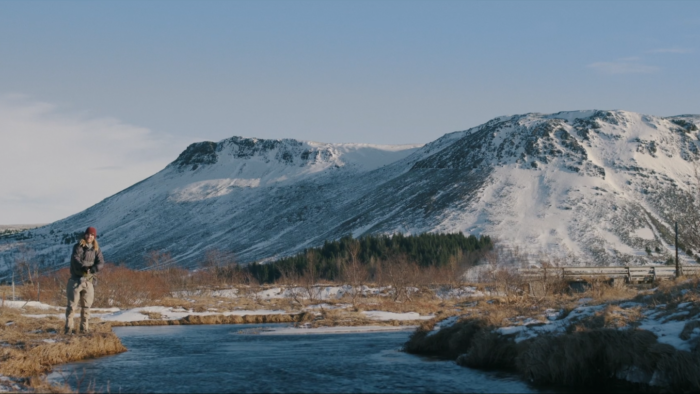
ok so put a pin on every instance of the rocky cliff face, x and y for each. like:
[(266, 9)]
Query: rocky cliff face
[(587, 186)]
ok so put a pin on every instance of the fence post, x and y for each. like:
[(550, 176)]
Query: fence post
[(678, 269)]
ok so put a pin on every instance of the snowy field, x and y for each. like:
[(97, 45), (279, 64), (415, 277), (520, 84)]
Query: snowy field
[(323, 293), (667, 327), (670, 311)]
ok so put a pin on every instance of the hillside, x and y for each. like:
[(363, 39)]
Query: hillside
[(588, 186)]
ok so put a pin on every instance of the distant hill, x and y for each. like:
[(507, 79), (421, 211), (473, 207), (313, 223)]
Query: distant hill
[(10, 229), (20, 227)]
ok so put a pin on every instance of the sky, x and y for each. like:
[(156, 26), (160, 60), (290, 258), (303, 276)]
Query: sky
[(96, 96)]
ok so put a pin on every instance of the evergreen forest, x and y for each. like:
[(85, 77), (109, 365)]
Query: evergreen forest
[(424, 250)]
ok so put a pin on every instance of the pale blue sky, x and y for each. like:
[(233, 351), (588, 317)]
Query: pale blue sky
[(383, 72)]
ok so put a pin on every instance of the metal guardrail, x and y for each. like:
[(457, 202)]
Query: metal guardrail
[(631, 274)]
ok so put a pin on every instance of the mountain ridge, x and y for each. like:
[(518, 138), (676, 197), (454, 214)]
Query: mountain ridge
[(575, 184)]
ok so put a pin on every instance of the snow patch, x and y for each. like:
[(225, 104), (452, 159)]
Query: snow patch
[(380, 315), (644, 233), (168, 313)]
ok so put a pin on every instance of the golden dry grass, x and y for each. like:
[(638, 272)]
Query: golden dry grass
[(423, 306), (472, 339), (611, 316), (31, 346), (601, 291), (340, 317), (214, 319), (37, 384), (672, 293), (206, 301), (153, 315), (345, 317), (596, 350)]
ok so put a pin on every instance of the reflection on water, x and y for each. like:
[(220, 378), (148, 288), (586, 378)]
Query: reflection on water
[(218, 358)]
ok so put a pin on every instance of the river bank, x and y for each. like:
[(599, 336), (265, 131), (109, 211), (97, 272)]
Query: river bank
[(32, 340), (568, 339), (255, 358), (30, 347), (651, 340)]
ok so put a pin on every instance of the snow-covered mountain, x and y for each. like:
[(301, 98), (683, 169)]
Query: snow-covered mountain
[(596, 186)]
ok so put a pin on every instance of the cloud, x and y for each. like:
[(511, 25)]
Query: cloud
[(671, 50), (623, 66), (56, 163), (629, 59)]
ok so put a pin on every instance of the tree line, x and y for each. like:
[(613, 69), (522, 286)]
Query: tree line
[(330, 260)]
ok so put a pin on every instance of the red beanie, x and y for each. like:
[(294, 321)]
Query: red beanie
[(91, 230)]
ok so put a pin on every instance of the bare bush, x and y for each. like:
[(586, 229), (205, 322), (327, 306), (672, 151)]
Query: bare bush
[(220, 268), (26, 265), (550, 283), (158, 260), (290, 279), (115, 286), (453, 275), (354, 272), (501, 271), (310, 277), (401, 274), (27, 270), (251, 289), (510, 284), (120, 286), (53, 287)]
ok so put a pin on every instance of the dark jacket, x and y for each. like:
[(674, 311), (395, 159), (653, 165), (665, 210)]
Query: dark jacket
[(86, 259)]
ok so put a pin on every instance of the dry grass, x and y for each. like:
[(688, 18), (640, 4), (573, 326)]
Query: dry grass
[(214, 319), (115, 286), (670, 294), (592, 358), (31, 346), (421, 305), (602, 291), (36, 384), (549, 360), (343, 317), (495, 314), (596, 350), (340, 317), (612, 317), (153, 315)]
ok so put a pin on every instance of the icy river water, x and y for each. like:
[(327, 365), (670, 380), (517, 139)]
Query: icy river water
[(233, 358)]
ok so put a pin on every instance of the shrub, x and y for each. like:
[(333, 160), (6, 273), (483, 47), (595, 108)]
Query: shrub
[(586, 358), (115, 286), (449, 342)]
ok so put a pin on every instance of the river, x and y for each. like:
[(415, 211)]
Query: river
[(234, 358)]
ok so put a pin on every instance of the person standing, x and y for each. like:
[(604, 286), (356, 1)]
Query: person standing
[(86, 260)]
